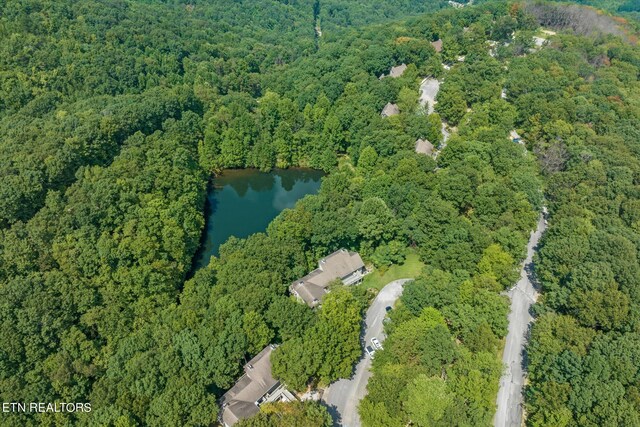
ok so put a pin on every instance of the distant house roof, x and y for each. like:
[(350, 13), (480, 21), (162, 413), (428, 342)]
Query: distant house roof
[(437, 45), (339, 265), (539, 41), (390, 110), (424, 147), (398, 70), (241, 401)]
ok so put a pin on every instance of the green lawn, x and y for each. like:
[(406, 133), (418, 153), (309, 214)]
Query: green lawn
[(411, 268)]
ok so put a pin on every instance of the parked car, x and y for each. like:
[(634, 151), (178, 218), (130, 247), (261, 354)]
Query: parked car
[(376, 343), (370, 351), (388, 308)]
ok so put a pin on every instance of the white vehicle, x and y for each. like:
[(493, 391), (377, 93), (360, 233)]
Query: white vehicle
[(370, 351), (376, 343)]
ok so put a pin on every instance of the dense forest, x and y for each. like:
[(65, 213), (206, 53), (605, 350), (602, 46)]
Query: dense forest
[(584, 348), (576, 103), (115, 114)]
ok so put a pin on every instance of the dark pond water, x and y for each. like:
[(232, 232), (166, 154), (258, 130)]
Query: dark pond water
[(243, 202)]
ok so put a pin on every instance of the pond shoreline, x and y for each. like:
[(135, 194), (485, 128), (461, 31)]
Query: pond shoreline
[(245, 201)]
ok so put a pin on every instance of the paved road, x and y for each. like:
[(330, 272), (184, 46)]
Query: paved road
[(428, 90), (509, 400), (445, 135), (343, 396)]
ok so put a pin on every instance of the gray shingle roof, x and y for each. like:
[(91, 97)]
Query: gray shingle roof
[(390, 110), (240, 401), (398, 70), (424, 147), (339, 265)]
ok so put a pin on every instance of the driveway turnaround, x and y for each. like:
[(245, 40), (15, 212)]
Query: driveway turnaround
[(429, 89), (509, 401), (343, 396)]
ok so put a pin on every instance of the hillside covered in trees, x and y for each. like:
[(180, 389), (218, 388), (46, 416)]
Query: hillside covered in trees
[(115, 114), (583, 352), (584, 349)]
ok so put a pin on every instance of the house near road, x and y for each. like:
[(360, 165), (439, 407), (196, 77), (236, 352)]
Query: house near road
[(390, 110), (255, 387), (424, 147), (342, 264)]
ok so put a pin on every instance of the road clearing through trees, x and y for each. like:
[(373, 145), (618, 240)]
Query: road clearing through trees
[(343, 396), (522, 296)]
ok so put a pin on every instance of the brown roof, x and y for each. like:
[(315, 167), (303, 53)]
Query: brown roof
[(339, 265), (424, 147), (240, 401), (437, 45), (390, 110)]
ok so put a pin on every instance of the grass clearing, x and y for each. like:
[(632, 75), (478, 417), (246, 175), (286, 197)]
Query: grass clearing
[(378, 278)]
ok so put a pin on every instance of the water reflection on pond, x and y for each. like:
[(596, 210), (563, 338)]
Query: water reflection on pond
[(242, 202)]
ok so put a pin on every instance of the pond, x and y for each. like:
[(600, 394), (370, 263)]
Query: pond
[(244, 201)]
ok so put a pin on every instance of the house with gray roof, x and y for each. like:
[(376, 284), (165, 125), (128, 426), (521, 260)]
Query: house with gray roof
[(423, 146), (390, 110), (255, 387), (342, 264), (396, 71)]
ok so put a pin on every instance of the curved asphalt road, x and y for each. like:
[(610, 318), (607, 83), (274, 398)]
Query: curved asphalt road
[(509, 401), (343, 396)]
